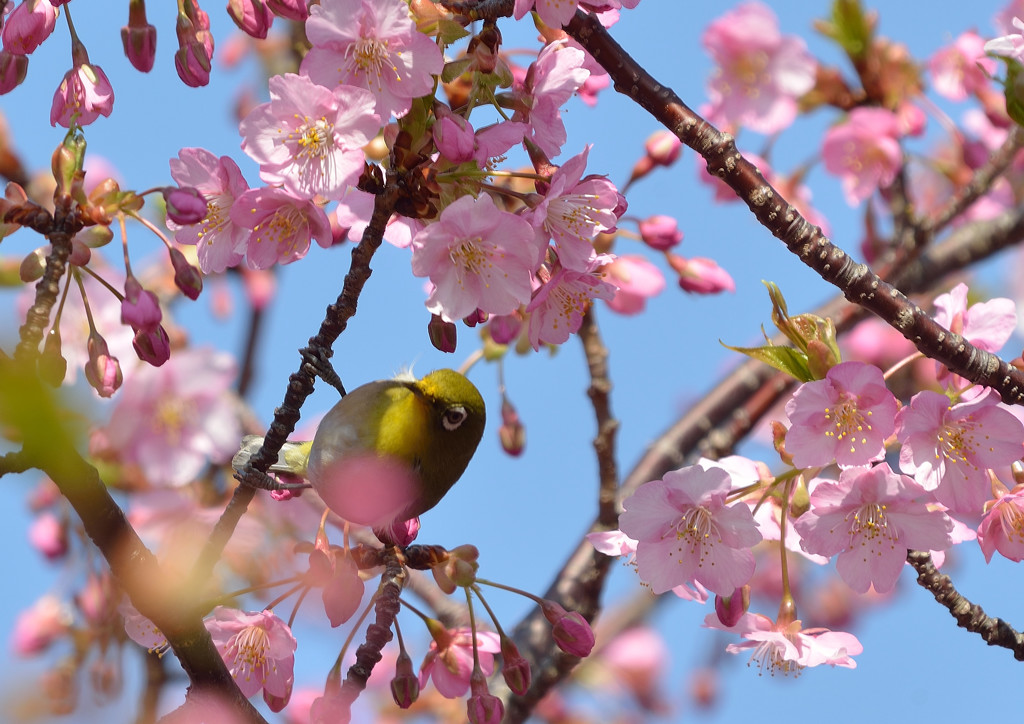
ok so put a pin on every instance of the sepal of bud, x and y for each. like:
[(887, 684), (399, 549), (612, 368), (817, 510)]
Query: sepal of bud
[(514, 668), (570, 630), (102, 370), (52, 365), (730, 609)]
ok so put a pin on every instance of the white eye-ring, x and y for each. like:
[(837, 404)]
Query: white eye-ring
[(453, 417)]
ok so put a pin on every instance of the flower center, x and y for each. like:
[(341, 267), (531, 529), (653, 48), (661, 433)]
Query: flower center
[(575, 215), (871, 523), (469, 258), (248, 652), (956, 441), (848, 422), (1012, 519), (370, 56)]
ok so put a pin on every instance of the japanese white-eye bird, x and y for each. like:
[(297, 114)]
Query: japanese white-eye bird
[(390, 449)]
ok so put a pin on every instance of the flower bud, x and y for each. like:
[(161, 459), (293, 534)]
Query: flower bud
[(482, 706), (289, 9), (514, 669), (152, 347), (102, 370), (13, 69), (512, 433), (251, 16), (701, 276), (49, 536), (570, 630), (186, 277), (185, 205), (663, 147), (660, 232), (140, 308), (80, 253), (405, 687), (443, 335), (139, 37), (33, 266), (52, 365), (730, 609)]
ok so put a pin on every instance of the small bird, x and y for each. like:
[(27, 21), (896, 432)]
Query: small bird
[(389, 450)]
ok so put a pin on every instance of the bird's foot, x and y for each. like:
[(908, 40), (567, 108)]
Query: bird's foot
[(319, 363)]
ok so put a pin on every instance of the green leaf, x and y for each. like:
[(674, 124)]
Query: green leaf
[(850, 28), (785, 359)]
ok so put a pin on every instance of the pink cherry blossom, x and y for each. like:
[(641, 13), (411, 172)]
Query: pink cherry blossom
[(986, 325), (660, 232), (37, 627), (574, 210), (371, 44), (259, 650), (282, 226), (699, 275), (558, 306), (1002, 528), (686, 532), (845, 417), (949, 449), (864, 152), (220, 243), (636, 280), (962, 68), (555, 13), (28, 25), (1010, 45), (477, 257), (760, 73), (308, 138), (450, 664), (870, 518), (173, 420), (785, 648), (550, 82), (141, 630), (83, 96)]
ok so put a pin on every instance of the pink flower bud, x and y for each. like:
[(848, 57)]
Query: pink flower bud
[(28, 25), (260, 286), (660, 232), (505, 328), (454, 137), (13, 69), (139, 42), (38, 627), (102, 371), (663, 147), (83, 96), (482, 706), (512, 433), (297, 10), (252, 16), (49, 536), (152, 347), (702, 276), (399, 532), (140, 308), (192, 61), (514, 669), (730, 609), (405, 687), (570, 630), (186, 277), (443, 335), (185, 205)]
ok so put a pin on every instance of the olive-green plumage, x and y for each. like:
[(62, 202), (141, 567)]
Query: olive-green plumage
[(433, 425)]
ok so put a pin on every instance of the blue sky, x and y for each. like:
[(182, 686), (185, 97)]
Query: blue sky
[(525, 514)]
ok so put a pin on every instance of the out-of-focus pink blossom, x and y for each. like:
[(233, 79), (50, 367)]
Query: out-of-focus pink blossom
[(759, 72), (864, 152), (290, 9), (550, 82), (103, 371), (961, 69), (371, 44), (986, 325), (636, 280), (1002, 528), (1010, 45), (555, 13), (449, 662), (28, 25), (49, 535), (37, 627)]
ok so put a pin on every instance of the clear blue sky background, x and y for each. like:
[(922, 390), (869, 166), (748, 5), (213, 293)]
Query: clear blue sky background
[(526, 514)]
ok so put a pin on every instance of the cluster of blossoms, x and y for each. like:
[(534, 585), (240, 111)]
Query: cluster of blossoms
[(695, 530)]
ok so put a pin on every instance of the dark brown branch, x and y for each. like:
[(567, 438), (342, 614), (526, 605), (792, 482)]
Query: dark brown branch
[(857, 282), (599, 392), (994, 631)]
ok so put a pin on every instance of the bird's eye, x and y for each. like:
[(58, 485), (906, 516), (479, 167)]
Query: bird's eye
[(453, 417)]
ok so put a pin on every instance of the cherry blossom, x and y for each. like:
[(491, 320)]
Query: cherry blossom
[(845, 417), (636, 280), (28, 25), (686, 532), (175, 419), (558, 306), (986, 325), (864, 152), (259, 650), (760, 73), (1010, 45), (37, 627), (371, 44), (83, 96), (1002, 528), (950, 448), (785, 648), (574, 210), (308, 138), (477, 257), (555, 13), (961, 69), (450, 663), (870, 518), (550, 82), (281, 226), (220, 243)]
